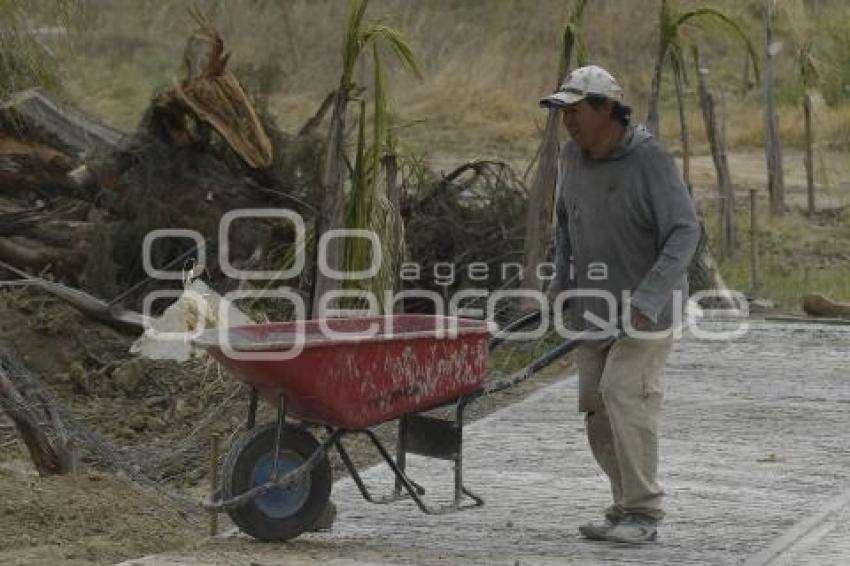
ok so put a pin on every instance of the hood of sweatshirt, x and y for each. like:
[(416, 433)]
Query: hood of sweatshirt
[(633, 137)]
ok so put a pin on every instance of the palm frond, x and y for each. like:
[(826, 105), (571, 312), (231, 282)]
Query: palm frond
[(676, 57), (369, 209), (668, 28), (353, 43), (729, 23), (381, 120), (807, 63), (573, 39), (359, 205), (396, 43)]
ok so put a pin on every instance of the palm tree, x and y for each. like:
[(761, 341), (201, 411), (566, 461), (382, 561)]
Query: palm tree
[(673, 26), (773, 145), (810, 76), (332, 182), (370, 207), (808, 69), (717, 146), (542, 193), (673, 39)]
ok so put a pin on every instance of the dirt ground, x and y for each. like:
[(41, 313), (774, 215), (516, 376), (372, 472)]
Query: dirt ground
[(90, 518)]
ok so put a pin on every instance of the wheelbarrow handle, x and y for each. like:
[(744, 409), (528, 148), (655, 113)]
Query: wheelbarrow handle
[(523, 321), (537, 365)]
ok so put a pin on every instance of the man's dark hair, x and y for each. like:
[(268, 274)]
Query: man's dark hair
[(620, 112)]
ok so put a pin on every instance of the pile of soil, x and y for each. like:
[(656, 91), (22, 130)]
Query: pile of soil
[(91, 518), (87, 365), (145, 407)]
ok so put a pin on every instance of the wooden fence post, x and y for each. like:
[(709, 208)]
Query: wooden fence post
[(754, 243), (809, 159)]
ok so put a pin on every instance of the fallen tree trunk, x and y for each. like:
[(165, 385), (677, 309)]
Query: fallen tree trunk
[(119, 318), (27, 405), (33, 114), (47, 458), (818, 305), (33, 254)]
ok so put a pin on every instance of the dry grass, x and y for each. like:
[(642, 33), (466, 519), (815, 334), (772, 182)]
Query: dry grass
[(797, 255), (743, 119), (486, 62)]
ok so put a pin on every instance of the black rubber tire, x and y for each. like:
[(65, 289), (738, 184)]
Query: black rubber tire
[(238, 469)]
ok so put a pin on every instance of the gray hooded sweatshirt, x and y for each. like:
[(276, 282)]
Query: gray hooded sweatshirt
[(625, 223)]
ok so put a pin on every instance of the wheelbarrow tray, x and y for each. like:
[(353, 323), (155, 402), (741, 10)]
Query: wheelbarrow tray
[(367, 371)]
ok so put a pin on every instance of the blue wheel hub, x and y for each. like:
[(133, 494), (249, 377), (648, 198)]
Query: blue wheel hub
[(280, 503)]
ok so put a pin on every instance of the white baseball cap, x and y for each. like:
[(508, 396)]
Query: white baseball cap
[(582, 82)]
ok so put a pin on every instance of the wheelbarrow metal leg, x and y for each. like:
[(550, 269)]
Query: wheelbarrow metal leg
[(458, 459), (460, 489), (352, 469), (401, 452), (252, 409), (427, 436), (412, 489), (361, 485)]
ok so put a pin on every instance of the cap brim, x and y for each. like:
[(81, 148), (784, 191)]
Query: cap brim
[(561, 99)]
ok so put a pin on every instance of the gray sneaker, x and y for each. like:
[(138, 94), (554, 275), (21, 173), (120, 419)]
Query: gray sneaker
[(596, 530), (614, 514), (633, 528)]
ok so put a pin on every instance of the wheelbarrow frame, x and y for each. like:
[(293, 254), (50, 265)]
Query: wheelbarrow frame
[(418, 434)]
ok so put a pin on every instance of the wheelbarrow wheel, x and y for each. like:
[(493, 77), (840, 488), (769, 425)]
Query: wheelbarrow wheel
[(280, 513)]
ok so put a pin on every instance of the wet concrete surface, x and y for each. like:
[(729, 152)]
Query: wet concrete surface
[(755, 460)]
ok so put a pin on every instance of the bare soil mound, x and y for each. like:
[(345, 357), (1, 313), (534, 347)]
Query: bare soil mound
[(91, 518)]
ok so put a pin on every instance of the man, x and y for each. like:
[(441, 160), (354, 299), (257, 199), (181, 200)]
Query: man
[(626, 233)]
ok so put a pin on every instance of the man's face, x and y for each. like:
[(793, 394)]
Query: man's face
[(587, 125)]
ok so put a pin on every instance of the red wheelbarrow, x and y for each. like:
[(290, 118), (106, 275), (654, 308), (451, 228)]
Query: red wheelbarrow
[(346, 376)]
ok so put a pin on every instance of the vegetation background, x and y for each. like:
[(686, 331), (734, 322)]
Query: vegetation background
[(485, 63)]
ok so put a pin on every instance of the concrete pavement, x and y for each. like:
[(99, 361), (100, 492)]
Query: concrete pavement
[(755, 461)]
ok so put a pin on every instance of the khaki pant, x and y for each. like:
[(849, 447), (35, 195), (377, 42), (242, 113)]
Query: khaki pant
[(620, 390)]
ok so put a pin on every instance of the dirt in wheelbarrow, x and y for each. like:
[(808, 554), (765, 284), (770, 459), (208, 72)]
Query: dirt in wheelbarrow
[(161, 414)]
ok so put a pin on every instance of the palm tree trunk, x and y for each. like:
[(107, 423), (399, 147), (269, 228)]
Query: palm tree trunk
[(683, 132), (717, 144), (746, 81), (773, 147), (810, 153), (541, 199), (333, 201), (653, 118)]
